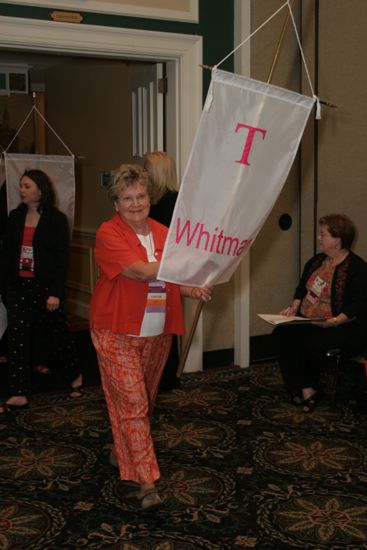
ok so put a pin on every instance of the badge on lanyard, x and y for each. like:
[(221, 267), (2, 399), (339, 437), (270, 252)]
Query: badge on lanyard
[(26, 258), (157, 296), (316, 289)]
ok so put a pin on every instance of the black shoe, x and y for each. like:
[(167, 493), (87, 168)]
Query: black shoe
[(311, 402), (78, 391), (8, 408), (296, 400), (167, 385), (361, 399)]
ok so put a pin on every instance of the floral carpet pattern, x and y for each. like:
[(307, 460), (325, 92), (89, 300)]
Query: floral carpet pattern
[(241, 468)]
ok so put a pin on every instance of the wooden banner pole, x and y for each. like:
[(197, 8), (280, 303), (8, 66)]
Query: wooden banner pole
[(188, 342), (280, 43)]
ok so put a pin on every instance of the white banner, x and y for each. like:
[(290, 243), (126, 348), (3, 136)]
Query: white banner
[(246, 142), (59, 168)]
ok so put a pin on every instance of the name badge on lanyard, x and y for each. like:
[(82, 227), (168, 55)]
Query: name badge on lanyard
[(26, 258), (313, 295), (157, 296)]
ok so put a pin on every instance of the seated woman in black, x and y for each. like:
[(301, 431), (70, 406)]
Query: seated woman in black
[(333, 286)]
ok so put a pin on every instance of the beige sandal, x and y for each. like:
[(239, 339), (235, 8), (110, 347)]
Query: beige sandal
[(150, 500)]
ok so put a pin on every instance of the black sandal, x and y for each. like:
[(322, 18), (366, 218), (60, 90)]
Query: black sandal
[(77, 389), (296, 400), (8, 408), (42, 369)]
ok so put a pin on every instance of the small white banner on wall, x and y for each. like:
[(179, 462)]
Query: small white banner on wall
[(245, 145), (60, 169)]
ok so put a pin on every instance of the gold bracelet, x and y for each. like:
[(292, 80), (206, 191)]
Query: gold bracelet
[(191, 292)]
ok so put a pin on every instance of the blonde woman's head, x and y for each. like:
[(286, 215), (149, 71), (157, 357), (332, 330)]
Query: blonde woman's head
[(162, 173)]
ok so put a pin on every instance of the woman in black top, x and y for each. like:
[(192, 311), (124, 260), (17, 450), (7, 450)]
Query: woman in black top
[(3, 218), (163, 176), (333, 287), (34, 262)]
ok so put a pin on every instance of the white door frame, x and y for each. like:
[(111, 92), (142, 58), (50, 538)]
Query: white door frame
[(181, 52), (242, 30)]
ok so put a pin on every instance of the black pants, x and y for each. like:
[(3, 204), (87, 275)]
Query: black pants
[(301, 350), (4, 344), (169, 378), (26, 303)]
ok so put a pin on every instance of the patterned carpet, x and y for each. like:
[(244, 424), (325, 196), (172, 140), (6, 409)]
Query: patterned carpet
[(241, 468)]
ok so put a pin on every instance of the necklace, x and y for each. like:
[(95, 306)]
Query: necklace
[(150, 247), (148, 243)]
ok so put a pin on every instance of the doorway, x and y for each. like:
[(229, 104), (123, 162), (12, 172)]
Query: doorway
[(183, 57), (181, 53), (103, 111)]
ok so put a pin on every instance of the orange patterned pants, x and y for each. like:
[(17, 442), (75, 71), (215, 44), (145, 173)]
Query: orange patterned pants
[(131, 368)]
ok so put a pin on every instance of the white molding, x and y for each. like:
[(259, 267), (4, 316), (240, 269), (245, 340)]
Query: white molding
[(242, 277), (242, 313), (118, 7), (97, 41), (84, 232)]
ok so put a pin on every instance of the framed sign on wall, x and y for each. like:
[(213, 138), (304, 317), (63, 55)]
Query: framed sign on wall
[(175, 10)]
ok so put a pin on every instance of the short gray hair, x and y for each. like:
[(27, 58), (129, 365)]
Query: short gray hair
[(124, 176)]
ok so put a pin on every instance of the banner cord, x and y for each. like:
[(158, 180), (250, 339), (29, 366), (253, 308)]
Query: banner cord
[(315, 97), (251, 35), (34, 108)]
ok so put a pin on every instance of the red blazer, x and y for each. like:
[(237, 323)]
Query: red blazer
[(118, 303)]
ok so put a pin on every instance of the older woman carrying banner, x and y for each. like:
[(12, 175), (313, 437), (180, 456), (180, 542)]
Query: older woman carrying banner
[(132, 318), (333, 287)]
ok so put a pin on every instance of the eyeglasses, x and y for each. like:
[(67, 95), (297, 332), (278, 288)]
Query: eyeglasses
[(128, 200)]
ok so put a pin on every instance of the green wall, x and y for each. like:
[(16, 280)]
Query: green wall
[(216, 22)]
